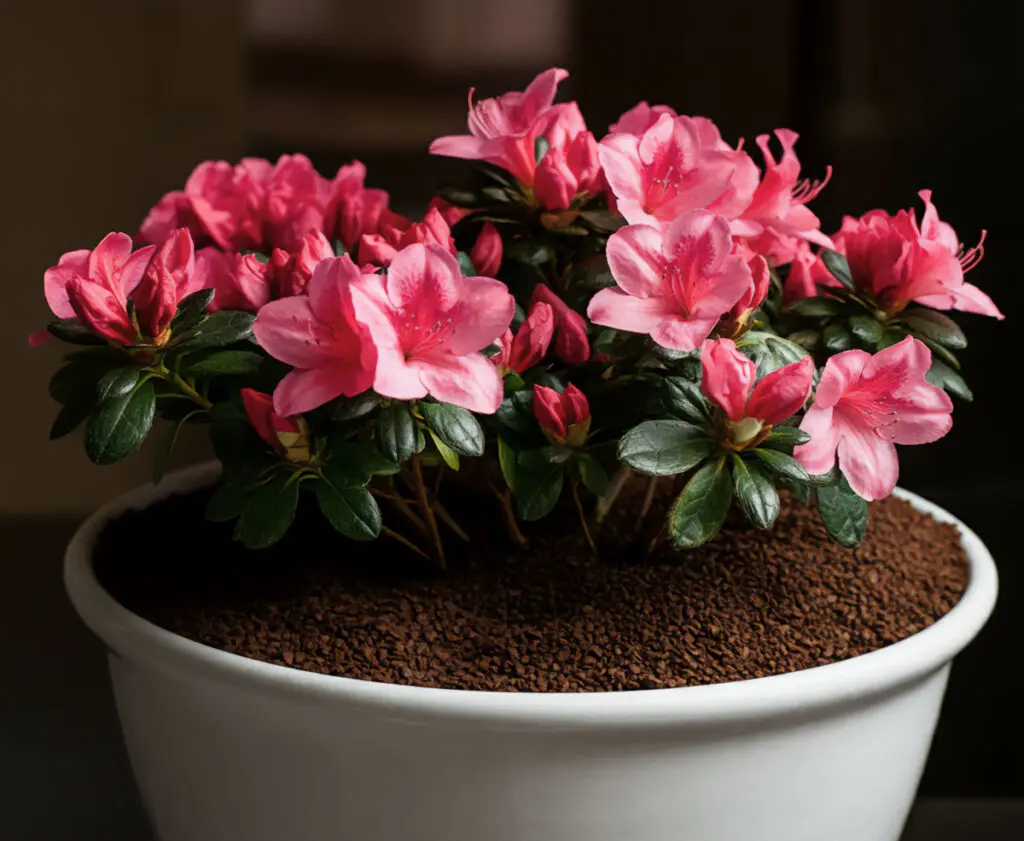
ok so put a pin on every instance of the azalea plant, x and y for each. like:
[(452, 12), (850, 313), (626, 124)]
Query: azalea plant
[(577, 312)]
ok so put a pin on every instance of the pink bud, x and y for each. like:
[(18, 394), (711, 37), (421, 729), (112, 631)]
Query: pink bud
[(100, 310), (533, 339), (290, 273), (555, 184), (487, 251), (449, 211), (565, 417), (571, 343), (288, 436), (165, 281), (243, 286)]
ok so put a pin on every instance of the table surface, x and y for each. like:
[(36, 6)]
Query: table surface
[(63, 771)]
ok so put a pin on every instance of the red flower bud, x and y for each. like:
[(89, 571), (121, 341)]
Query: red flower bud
[(532, 340), (565, 417), (288, 436), (487, 251), (166, 280), (571, 343)]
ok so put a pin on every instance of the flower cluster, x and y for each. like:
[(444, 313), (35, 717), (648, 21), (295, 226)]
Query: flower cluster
[(580, 310)]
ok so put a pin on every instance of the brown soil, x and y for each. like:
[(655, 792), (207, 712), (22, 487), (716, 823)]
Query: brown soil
[(552, 619)]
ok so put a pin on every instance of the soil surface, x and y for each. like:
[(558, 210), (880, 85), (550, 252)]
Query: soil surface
[(549, 619)]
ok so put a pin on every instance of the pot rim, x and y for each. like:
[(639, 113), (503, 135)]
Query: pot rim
[(845, 682)]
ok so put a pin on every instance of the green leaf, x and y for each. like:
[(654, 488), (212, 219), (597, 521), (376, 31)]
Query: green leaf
[(807, 339), (227, 502), (685, 400), (533, 252), (69, 418), (450, 457), (351, 464), (116, 382), (891, 336), (352, 511), (770, 352), (163, 454), (76, 382), (352, 408), (224, 327), (119, 426), (537, 491), (943, 354), (837, 267), (511, 415), (929, 324), (72, 330), (800, 490), (755, 492), (817, 307), (785, 438), (941, 375), (866, 328), (603, 220), (466, 264), (457, 427), (225, 362), (190, 309), (269, 511), (508, 460), (700, 509), (784, 465), (844, 514), (592, 474), (339, 248), (837, 338), (540, 148), (396, 432), (665, 447)]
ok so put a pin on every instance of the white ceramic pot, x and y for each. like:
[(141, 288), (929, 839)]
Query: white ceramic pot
[(229, 749)]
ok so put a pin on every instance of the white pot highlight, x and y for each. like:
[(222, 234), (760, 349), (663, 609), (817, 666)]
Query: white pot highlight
[(230, 749)]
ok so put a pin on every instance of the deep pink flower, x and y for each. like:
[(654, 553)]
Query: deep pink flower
[(639, 118), (571, 343), (503, 130), (169, 277), (242, 282), (571, 165), (673, 284), (174, 210), (395, 232), (806, 273), (678, 164), (449, 212), (319, 335), (564, 418), (229, 200), (352, 210), (777, 213), (897, 261), (288, 436), (756, 291), (429, 324), (487, 251), (296, 196), (866, 404), (728, 379), (521, 352), (290, 273)]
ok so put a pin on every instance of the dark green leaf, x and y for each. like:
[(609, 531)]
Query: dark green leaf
[(466, 264), (592, 474), (946, 378), (339, 248), (800, 490), (603, 220), (533, 252), (225, 362), (892, 336), (457, 427), (755, 492), (118, 427), (837, 267), (508, 460), (117, 382), (73, 331), (190, 310), (396, 433), (785, 438), (700, 509), (227, 502), (537, 491), (76, 382), (807, 339), (351, 408), (866, 328), (929, 324), (540, 148), (224, 327), (448, 455), (269, 511), (352, 511), (817, 307), (461, 197), (665, 447), (844, 514), (784, 465), (770, 352), (837, 338), (68, 419), (163, 454), (684, 399), (511, 415)]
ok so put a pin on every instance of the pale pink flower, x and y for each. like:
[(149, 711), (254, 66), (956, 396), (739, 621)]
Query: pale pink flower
[(639, 118), (288, 436), (806, 273), (777, 213), (352, 209), (487, 251), (571, 343), (332, 352), (728, 379), (898, 262), (429, 324), (863, 406), (290, 273), (503, 130), (521, 352), (678, 164), (672, 284), (564, 418)]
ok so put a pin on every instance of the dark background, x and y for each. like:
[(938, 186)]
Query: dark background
[(105, 105)]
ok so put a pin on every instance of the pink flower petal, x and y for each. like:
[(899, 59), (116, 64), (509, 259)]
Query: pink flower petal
[(869, 464), (288, 330), (727, 377), (635, 258), (396, 376), (485, 313), (818, 456), (305, 389), (614, 308), (783, 392), (470, 381)]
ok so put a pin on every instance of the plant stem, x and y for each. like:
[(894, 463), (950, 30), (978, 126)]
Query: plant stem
[(403, 507), (652, 487), (187, 390), (449, 521), (427, 510), (583, 517), (607, 500), (514, 533), (408, 544)]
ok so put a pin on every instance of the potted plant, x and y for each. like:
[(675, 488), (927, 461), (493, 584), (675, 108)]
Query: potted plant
[(566, 490)]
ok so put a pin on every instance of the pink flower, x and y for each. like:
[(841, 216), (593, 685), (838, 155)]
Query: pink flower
[(95, 285), (290, 273), (241, 281), (174, 210), (169, 277), (777, 212), (678, 164), (639, 118), (571, 166), (429, 324), (866, 404), (531, 341), (571, 343), (727, 378), (673, 284), (288, 436), (487, 251), (395, 232), (898, 262), (756, 292), (449, 212), (296, 195), (331, 351), (228, 201), (806, 273), (352, 209), (564, 418), (503, 130)]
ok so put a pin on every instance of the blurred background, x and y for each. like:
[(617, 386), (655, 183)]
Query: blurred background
[(106, 105)]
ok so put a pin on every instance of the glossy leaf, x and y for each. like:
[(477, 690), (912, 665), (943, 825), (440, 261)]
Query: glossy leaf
[(224, 362), (269, 511), (844, 514), (838, 267), (352, 511), (455, 426), (396, 433), (700, 510), (119, 426), (755, 492)]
